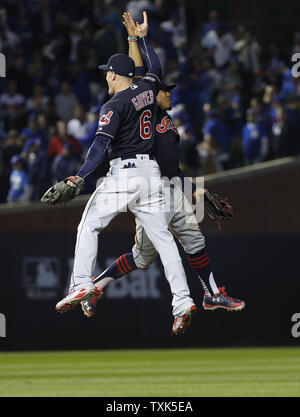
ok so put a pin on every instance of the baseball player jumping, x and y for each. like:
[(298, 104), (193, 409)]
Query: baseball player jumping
[(126, 134), (183, 224)]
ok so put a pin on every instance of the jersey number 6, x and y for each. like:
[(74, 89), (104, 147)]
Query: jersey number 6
[(145, 125)]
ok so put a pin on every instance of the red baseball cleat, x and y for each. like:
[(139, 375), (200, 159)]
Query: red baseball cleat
[(89, 306), (75, 297), (182, 323)]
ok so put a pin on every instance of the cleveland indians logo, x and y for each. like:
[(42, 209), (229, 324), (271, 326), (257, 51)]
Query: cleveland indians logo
[(166, 124), (105, 118)]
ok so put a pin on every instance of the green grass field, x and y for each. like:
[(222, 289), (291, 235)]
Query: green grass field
[(152, 373)]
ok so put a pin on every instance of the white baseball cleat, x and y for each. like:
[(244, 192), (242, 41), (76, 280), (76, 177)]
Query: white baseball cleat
[(75, 297)]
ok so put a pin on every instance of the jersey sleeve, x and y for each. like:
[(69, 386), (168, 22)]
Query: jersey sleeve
[(95, 156), (152, 63), (109, 122)]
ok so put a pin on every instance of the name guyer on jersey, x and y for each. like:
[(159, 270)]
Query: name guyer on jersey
[(143, 99)]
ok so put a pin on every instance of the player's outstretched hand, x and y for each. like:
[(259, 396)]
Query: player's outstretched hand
[(135, 29), (129, 24), (142, 29)]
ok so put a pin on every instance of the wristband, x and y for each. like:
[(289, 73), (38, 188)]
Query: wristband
[(132, 38)]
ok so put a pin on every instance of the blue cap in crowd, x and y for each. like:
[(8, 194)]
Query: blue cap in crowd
[(121, 64), (31, 142), (15, 159)]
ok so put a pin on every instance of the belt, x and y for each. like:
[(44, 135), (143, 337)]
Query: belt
[(136, 157)]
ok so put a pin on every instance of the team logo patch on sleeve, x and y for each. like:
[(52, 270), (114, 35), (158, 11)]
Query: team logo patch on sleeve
[(105, 118)]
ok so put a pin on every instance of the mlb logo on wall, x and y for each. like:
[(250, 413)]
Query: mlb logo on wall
[(41, 277)]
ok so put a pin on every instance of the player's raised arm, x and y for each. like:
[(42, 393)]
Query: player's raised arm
[(143, 52), (133, 47), (149, 56)]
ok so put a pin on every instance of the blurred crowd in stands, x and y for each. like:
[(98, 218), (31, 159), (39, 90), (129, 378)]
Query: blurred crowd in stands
[(236, 102)]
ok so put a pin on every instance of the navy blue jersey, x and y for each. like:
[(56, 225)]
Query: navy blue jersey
[(166, 145), (128, 119)]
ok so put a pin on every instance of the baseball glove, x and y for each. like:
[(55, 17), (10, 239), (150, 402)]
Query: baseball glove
[(62, 192), (216, 207)]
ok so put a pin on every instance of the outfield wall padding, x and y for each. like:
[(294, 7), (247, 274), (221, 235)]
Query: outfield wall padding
[(256, 256)]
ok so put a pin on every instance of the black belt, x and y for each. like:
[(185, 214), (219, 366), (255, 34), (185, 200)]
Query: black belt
[(135, 157)]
